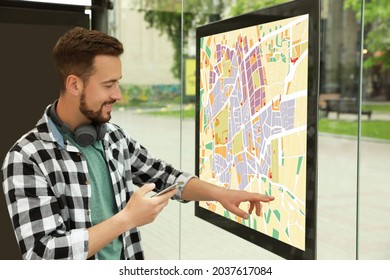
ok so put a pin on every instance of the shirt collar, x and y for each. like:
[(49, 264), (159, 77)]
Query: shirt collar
[(56, 133)]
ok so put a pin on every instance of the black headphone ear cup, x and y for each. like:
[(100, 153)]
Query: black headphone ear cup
[(101, 131), (85, 135)]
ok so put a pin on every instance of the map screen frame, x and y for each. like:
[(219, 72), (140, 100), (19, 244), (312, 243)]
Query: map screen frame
[(257, 87)]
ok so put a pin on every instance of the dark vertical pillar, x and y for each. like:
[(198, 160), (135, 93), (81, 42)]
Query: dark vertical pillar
[(100, 14)]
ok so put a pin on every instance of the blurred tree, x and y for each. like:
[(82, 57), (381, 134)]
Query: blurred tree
[(377, 27), (166, 16), (244, 6), (377, 42), (169, 17)]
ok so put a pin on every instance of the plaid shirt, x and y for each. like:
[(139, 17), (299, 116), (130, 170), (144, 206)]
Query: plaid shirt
[(45, 182)]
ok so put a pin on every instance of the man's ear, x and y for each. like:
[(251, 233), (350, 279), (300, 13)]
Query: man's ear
[(74, 85)]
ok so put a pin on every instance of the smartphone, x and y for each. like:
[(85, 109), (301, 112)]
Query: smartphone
[(171, 187)]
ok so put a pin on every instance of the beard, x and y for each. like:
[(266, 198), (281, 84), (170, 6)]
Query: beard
[(95, 117)]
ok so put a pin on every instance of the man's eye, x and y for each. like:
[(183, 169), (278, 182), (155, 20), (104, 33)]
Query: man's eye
[(111, 85)]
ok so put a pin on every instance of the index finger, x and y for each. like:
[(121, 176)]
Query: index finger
[(266, 198), (146, 188), (260, 197)]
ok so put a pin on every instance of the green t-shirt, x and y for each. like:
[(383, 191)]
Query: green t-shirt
[(102, 195)]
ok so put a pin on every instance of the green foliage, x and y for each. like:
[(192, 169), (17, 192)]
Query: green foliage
[(244, 6), (170, 23), (149, 95), (186, 113), (379, 108), (377, 25), (370, 129), (166, 16)]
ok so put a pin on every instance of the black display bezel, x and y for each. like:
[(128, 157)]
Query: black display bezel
[(279, 12)]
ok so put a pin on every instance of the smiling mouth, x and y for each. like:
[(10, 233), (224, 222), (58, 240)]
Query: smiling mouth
[(108, 104)]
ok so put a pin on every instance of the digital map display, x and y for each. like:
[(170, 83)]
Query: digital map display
[(253, 121)]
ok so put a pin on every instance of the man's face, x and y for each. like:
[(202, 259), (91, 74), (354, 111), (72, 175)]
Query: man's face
[(102, 89)]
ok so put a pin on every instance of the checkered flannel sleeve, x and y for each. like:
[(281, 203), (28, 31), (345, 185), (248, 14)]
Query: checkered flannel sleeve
[(34, 211), (145, 168)]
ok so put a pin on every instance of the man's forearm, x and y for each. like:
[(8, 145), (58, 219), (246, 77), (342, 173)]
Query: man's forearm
[(198, 190)]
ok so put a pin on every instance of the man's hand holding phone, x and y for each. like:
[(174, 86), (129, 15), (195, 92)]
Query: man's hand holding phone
[(171, 187), (141, 209)]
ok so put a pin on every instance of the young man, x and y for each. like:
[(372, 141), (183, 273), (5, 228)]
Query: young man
[(69, 181)]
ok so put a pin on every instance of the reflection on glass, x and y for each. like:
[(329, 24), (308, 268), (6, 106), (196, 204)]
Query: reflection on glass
[(158, 104), (374, 191), (151, 86)]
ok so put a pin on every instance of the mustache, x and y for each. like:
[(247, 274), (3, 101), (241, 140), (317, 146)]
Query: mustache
[(105, 103), (109, 102)]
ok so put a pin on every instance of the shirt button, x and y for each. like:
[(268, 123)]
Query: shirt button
[(88, 212), (87, 182)]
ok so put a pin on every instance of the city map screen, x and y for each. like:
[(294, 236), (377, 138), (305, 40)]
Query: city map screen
[(255, 124)]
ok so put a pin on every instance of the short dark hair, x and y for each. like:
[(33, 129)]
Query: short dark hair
[(75, 51)]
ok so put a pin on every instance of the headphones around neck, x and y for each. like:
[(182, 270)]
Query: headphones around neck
[(85, 134)]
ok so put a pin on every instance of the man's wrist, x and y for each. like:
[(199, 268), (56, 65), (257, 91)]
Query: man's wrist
[(121, 221)]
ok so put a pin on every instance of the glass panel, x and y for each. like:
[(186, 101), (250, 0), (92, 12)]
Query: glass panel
[(374, 191), (159, 76), (338, 131), (338, 140), (200, 239), (151, 87)]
